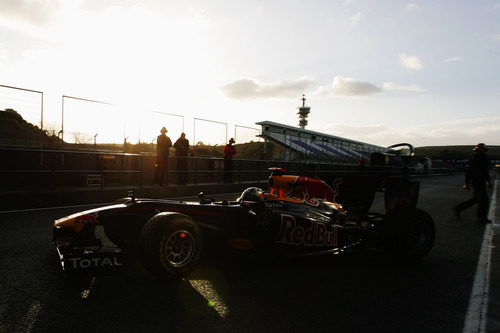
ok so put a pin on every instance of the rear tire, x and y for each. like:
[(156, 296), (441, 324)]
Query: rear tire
[(412, 233), (170, 245)]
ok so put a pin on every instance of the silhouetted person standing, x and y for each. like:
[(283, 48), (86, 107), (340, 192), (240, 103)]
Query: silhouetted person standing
[(181, 152), (163, 144), (229, 152), (477, 174)]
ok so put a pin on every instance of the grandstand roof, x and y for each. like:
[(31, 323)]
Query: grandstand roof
[(317, 134), (320, 145)]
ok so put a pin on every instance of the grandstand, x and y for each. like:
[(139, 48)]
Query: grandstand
[(300, 143)]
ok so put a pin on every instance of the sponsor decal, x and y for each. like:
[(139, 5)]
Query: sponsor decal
[(273, 204), (315, 235), (312, 190), (83, 263)]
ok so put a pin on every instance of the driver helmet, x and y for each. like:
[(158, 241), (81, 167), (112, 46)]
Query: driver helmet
[(252, 194)]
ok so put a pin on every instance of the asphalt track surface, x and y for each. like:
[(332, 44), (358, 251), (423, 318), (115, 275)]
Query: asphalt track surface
[(356, 292)]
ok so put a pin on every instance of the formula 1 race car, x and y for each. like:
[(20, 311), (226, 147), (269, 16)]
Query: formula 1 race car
[(298, 216)]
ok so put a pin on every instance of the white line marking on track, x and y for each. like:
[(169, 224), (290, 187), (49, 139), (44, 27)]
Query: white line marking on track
[(477, 311), (495, 222)]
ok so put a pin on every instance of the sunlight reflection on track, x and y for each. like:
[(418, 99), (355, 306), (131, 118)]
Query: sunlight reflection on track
[(26, 324), (207, 290)]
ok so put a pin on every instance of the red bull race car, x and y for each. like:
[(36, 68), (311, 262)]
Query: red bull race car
[(298, 216)]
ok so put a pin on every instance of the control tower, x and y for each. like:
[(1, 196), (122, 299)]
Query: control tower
[(303, 113)]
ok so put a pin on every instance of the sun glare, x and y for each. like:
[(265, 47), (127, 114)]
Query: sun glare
[(154, 70)]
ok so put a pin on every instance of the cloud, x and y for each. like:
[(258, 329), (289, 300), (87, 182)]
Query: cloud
[(348, 87), (461, 131), (196, 12), (251, 89), (453, 59), (455, 132), (4, 53), (411, 62), (37, 13), (246, 88), (412, 6), (355, 18), (411, 88)]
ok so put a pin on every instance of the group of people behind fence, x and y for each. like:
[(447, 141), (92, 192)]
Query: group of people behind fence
[(182, 152)]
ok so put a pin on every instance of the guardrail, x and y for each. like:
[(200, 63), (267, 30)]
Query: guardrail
[(32, 169)]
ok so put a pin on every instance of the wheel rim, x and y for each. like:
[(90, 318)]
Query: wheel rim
[(421, 236), (179, 248)]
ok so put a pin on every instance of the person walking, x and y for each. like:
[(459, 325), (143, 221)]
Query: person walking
[(229, 152), (163, 144), (181, 152), (477, 174)]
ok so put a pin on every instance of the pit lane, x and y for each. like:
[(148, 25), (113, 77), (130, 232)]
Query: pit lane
[(356, 292)]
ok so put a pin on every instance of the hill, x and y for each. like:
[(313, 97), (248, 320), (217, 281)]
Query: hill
[(16, 131), (459, 152)]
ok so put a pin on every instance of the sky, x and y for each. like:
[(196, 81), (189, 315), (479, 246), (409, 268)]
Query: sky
[(382, 72)]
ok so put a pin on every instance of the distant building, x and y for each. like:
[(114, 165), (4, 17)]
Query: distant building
[(300, 143)]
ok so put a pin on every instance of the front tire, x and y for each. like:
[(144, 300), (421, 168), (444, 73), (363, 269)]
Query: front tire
[(170, 245)]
